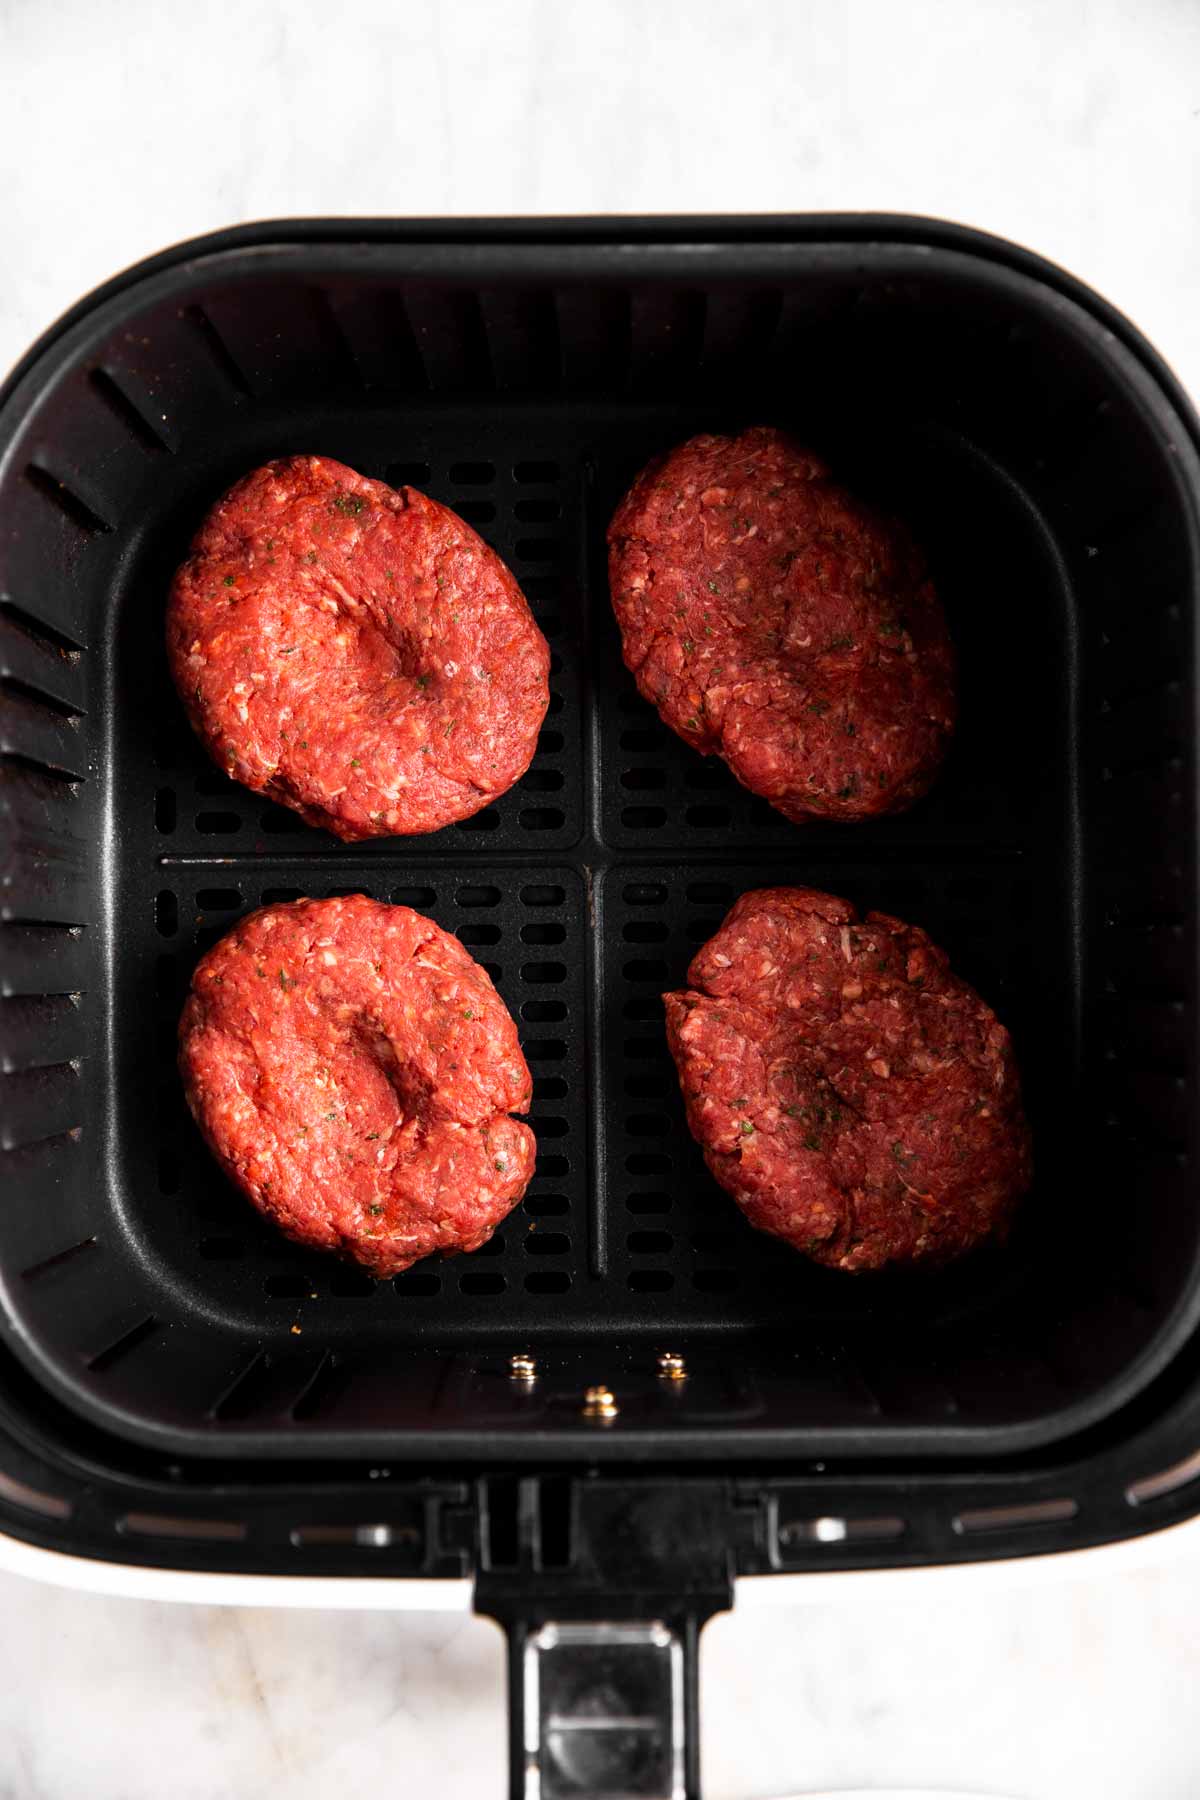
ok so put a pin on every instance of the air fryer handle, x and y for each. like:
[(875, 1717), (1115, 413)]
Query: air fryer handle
[(603, 1708)]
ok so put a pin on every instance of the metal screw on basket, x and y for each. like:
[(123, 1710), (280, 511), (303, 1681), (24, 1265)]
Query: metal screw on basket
[(598, 1403), (671, 1366), (523, 1367)]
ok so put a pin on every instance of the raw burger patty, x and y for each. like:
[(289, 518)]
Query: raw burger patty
[(355, 651), (353, 1070), (774, 619), (853, 1095)]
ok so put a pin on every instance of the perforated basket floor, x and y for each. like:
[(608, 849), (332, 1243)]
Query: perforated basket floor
[(525, 386)]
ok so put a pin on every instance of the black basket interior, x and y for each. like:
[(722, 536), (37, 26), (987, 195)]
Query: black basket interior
[(525, 384)]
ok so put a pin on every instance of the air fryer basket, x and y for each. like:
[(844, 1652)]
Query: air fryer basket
[(523, 378), (180, 1387)]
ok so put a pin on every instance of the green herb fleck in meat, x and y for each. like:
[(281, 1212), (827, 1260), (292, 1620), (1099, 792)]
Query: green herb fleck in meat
[(349, 505), (229, 581)]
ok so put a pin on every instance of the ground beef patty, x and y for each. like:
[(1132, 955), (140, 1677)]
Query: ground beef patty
[(852, 1094), (353, 1070), (776, 620), (355, 651)]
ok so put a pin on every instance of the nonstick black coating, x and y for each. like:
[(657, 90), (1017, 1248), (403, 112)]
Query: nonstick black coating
[(524, 383)]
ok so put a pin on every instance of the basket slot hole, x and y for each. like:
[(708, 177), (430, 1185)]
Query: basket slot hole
[(479, 1281), (644, 968), (166, 809), (348, 1284), (543, 934), (413, 896), (540, 818), (643, 818), (707, 818), (545, 1050), (647, 1087), (550, 742), (648, 1202), (644, 893), (478, 896), (546, 1206), (543, 974), (641, 739), (218, 899), (644, 931), (543, 1012), (648, 1125), (543, 473), (417, 1284), (409, 474), (166, 913), (547, 1281), (487, 820), (543, 781), (216, 824), (543, 896), (710, 893), (547, 1243), (650, 1243), (472, 474), (647, 1162), (537, 512), (650, 1281), (276, 896), (552, 1165), (550, 1087), (551, 1126), (480, 933), (476, 512), (644, 780)]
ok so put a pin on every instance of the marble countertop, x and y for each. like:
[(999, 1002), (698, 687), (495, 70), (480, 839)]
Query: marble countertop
[(1072, 126)]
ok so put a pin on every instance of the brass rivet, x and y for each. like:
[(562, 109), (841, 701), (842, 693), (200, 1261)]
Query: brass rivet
[(598, 1403), (671, 1366), (522, 1367)]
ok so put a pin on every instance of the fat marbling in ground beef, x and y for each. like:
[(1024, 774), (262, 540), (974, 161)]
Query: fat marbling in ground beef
[(774, 619), (355, 651), (854, 1096), (353, 1071)]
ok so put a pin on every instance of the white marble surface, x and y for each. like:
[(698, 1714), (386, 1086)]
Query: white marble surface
[(1070, 125)]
